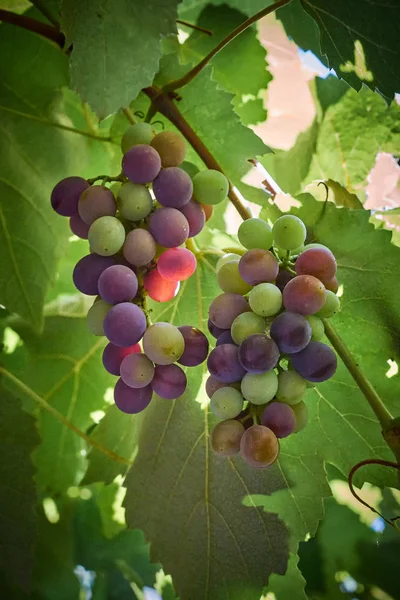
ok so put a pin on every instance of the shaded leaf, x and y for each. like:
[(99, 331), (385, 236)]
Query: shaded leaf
[(300, 27), (290, 585), (329, 90)]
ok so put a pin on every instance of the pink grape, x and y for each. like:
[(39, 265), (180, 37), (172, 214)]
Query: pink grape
[(173, 187), (79, 227), (177, 264), (159, 288), (317, 262), (304, 294), (196, 346), (118, 284), (225, 308), (258, 266), (259, 446), (317, 362), (169, 381), (88, 270), (331, 284), (258, 353), (114, 355), (169, 227), (141, 164), (139, 247), (195, 216), (125, 324), (280, 418), (95, 202), (223, 364), (291, 331), (208, 210), (130, 400), (65, 195)]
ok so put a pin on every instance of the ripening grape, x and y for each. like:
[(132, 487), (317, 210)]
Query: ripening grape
[(280, 418), (315, 245), (141, 164), (258, 266), (169, 227), (283, 278), (137, 370), (225, 308), (190, 168), (226, 436), (259, 447), (289, 232), (163, 343), (134, 201), (95, 202), (227, 258), (65, 195), (79, 227), (246, 324), (210, 187), (291, 332), (212, 385), (225, 338), (331, 284), (214, 330), (258, 353), (304, 294), (317, 328), (114, 355), (159, 288), (173, 187), (259, 388), (196, 346), (301, 413), (139, 133), (195, 217), (125, 324), (318, 262), (208, 210), (265, 299), (177, 264), (139, 247), (230, 281), (96, 315), (169, 381), (171, 147), (130, 400), (87, 272), (223, 364), (331, 306), (255, 233), (226, 403), (291, 387), (118, 284), (106, 236), (317, 362)]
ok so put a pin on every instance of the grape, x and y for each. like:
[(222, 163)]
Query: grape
[(106, 236), (226, 436), (283, 278), (246, 324), (255, 233), (96, 201), (130, 400), (177, 264), (225, 338), (317, 362), (301, 413), (226, 403), (96, 315), (231, 256), (259, 388), (87, 272), (114, 355), (208, 210), (315, 245), (210, 187), (169, 381), (331, 284), (304, 294), (259, 447), (223, 364), (214, 330), (331, 306), (190, 168), (289, 232), (230, 281), (78, 227), (291, 332), (280, 418), (137, 370), (125, 324), (318, 262), (173, 187), (258, 353), (317, 328), (171, 147), (134, 201), (139, 247), (195, 216), (163, 343), (65, 195), (118, 284), (213, 384), (291, 387), (225, 308), (141, 164), (258, 266), (159, 288), (265, 299), (139, 133), (169, 227), (196, 346)]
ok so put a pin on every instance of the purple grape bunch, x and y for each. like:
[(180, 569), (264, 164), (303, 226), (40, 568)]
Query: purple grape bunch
[(268, 324)]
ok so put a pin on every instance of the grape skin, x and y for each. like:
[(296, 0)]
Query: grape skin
[(139, 133), (139, 247), (317, 362), (259, 447), (255, 233), (196, 346), (301, 413), (304, 294), (259, 388), (159, 288), (291, 332), (213, 384), (283, 278), (96, 315), (171, 147), (258, 266), (215, 331), (280, 418), (210, 187), (225, 338), (106, 236), (331, 306), (177, 264), (117, 284), (331, 284), (134, 201), (225, 308), (226, 403), (208, 210), (136, 370), (173, 187), (87, 272), (289, 232), (246, 324), (114, 355), (169, 227), (258, 353), (163, 343), (65, 195), (230, 281), (318, 262), (169, 381), (95, 202), (317, 328), (125, 324), (130, 400), (265, 299), (227, 258), (226, 436), (141, 164), (291, 387), (223, 364), (78, 227), (195, 216)]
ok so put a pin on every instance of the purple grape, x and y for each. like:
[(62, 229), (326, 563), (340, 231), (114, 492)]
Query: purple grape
[(212, 385), (225, 308), (118, 284), (304, 294), (283, 278), (88, 270), (137, 370), (114, 355), (195, 216), (280, 418), (258, 266), (196, 346), (317, 362), (78, 227), (214, 330), (173, 187), (95, 202), (319, 262), (258, 353), (130, 400), (291, 331), (225, 338), (169, 227), (125, 324), (139, 247), (141, 164), (223, 364), (169, 381), (65, 195)]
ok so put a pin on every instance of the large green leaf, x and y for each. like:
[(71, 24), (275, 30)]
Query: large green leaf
[(300, 27), (116, 48), (18, 439)]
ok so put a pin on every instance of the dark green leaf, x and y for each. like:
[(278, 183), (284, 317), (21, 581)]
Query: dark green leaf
[(329, 90), (300, 27)]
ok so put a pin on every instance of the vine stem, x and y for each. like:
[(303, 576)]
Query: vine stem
[(129, 115), (48, 31), (60, 417), (195, 27)]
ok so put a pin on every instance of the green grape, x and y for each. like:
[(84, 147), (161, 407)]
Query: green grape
[(246, 324), (106, 236), (317, 328), (163, 343), (140, 133), (282, 253), (134, 201), (225, 259), (265, 299), (331, 306), (210, 187), (96, 315), (255, 233), (291, 387), (229, 280), (226, 403), (259, 388), (301, 413), (190, 168), (289, 232)]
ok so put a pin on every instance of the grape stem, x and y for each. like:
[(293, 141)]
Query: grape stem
[(48, 31), (106, 179), (129, 115)]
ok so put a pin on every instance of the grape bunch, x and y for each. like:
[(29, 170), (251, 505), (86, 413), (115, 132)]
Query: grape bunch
[(136, 250), (268, 325)]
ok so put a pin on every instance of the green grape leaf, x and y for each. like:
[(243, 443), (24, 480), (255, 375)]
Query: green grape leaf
[(333, 192), (329, 90), (18, 439), (290, 585), (300, 27), (64, 284), (116, 48)]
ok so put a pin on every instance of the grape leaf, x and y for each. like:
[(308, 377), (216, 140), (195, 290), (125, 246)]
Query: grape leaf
[(300, 27), (116, 48), (329, 91), (18, 439), (290, 585)]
